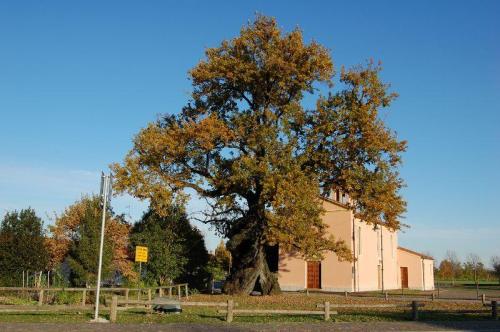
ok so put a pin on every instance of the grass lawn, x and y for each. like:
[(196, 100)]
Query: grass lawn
[(209, 315)]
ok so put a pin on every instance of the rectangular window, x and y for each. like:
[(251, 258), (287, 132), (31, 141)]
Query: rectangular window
[(392, 245), (379, 246), (359, 240)]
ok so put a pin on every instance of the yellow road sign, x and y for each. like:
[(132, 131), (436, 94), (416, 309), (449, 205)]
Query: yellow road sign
[(141, 254)]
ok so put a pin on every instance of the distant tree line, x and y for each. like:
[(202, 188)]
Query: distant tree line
[(66, 252), (452, 268)]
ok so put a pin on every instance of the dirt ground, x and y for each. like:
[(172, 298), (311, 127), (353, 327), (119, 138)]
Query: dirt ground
[(371, 326), (445, 293), (469, 293)]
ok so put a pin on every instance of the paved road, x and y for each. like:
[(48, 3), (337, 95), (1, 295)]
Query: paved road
[(369, 326)]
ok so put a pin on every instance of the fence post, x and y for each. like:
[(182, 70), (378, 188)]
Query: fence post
[(414, 310), (179, 291), (494, 310), (126, 297), (40, 297), (170, 292), (327, 310), (433, 296), (345, 294), (84, 297), (160, 292), (114, 309), (187, 291), (149, 297), (483, 298), (386, 296), (139, 291), (229, 316)]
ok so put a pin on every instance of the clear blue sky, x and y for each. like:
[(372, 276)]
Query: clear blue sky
[(79, 79)]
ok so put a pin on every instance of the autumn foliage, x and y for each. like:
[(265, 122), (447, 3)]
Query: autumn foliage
[(67, 229), (247, 143)]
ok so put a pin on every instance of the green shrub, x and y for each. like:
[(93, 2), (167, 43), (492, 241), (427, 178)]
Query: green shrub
[(65, 297), (15, 300)]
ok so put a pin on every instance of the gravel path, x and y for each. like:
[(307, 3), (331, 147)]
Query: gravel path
[(369, 326)]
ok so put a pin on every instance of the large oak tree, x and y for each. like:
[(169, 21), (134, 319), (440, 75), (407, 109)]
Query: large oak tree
[(248, 145)]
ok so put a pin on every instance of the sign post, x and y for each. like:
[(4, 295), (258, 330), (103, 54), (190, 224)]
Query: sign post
[(106, 191), (141, 256)]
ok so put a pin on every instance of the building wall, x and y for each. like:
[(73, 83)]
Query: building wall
[(420, 270), (390, 247), (367, 255), (339, 276), (428, 265), (291, 272), (335, 275), (371, 244), (414, 265)]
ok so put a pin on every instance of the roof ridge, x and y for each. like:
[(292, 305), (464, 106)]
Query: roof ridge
[(416, 253)]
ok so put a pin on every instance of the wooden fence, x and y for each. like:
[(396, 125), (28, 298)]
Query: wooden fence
[(229, 310), (178, 290), (228, 307), (118, 305), (431, 295), (327, 307), (415, 305)]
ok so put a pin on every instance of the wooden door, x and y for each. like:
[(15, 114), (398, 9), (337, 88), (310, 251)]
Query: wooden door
[(404, 277), (314, 274)]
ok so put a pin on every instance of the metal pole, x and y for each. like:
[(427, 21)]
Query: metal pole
[(354, 253), (105, 179), (382, 254)]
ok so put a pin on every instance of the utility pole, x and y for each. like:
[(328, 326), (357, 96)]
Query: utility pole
[(106, 191)]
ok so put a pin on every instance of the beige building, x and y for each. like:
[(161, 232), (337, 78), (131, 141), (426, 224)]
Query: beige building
[(417, 269), (380, 264)]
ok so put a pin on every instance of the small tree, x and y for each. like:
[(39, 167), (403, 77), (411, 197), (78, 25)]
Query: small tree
[(22, 245), (475, 264), (474, 261), (194, 250), (445, 270), (75, 238), (166, 253), (223, 257), (495, 264), (455, 264), (219, 265), (83, 254)]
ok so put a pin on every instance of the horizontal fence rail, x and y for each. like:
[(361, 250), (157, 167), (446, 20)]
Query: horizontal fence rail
[(178, 289), (229, 308), (230, 311)]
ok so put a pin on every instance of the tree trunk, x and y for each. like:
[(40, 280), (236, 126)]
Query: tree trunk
[(250, 269)]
